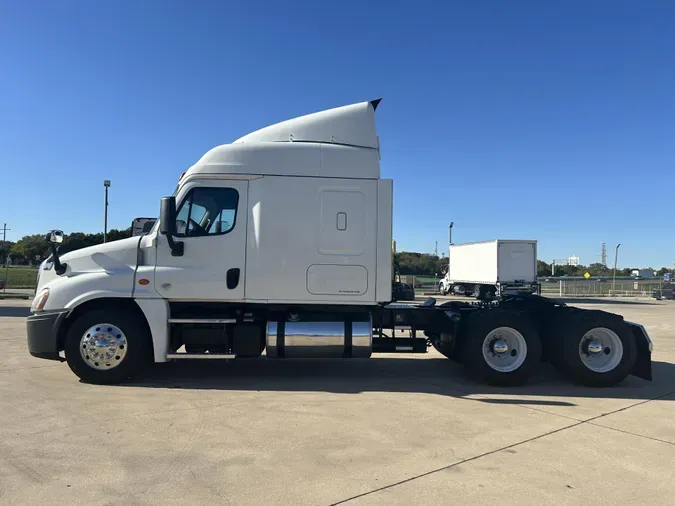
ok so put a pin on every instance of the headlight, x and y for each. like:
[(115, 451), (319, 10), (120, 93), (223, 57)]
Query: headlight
[(39, 301)]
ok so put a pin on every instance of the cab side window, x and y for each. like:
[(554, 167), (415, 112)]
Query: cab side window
[(207, 211)]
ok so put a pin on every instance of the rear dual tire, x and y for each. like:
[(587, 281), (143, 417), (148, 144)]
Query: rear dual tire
[(501, 347), (594, 349), (444, 344)]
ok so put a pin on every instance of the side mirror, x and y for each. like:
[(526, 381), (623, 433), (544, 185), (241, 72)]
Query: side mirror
[(142, 226), (167, 225), (167, 216), (55, 236)]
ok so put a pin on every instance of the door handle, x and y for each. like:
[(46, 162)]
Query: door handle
[(232, 278)]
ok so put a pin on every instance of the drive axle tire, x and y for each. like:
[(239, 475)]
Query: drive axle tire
[(501, 347), (593, 348), (444, 344), (107, 346)]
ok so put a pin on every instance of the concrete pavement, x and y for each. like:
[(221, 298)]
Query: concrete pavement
[(392, 429)]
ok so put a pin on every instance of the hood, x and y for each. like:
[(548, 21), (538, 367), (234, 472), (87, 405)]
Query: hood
[(111, 256), (115, 257)]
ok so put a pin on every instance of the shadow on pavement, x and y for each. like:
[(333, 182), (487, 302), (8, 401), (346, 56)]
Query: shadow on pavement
[(433, 376), (14, 311), (590, 300)]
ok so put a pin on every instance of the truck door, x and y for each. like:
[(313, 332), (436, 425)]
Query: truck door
[(211, 223)]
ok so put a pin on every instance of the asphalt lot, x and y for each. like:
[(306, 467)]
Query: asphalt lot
[(389, 430)]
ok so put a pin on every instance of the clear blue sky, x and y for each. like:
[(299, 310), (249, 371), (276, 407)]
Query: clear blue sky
[(551, 120)]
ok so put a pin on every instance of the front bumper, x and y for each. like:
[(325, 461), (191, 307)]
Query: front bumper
[(43, 334)]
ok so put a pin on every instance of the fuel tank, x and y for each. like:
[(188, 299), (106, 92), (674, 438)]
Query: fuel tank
[(320, 335)]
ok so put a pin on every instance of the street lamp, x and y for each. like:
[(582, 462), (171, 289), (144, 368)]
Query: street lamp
[(106, 184), (449, 243), (616, 258)]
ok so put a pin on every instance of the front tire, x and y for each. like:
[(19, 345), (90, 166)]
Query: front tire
[(593, 348), (501, 347), (107, 346)]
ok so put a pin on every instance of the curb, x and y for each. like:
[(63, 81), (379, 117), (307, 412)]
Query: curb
[(14, 296)]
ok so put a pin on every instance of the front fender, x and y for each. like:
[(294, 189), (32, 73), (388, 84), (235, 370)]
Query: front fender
[(68, 292), (96, 294)]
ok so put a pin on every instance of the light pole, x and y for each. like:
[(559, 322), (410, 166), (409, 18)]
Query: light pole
[(106, 184), (6, 255), (616, 258), (449, 242)]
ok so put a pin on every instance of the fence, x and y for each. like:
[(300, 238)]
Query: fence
[(569, 288), (593, 288), (421, 282)]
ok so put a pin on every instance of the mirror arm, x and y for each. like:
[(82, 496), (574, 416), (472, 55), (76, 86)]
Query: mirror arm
[(59, 268), (177, 247)]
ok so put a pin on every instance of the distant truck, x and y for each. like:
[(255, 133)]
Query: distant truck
[(642, 273), (665, 292), (487, 269), (142, 226)]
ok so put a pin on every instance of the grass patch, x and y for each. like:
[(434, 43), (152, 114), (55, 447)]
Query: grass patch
[(19, 277), (430, 280)]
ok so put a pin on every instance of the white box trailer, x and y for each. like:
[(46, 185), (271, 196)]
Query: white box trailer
[(486, 269), (642, 273), (280, 244)]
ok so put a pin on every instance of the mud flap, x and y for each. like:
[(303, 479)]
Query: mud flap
[(643, 363)]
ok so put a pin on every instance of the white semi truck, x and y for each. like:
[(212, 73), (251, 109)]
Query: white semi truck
[(489, 268), (280, 244)]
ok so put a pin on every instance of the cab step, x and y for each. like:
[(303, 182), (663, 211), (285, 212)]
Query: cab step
[(203, 320), (212, 356)]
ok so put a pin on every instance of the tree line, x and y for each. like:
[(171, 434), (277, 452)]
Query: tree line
[(595, 269), (430, 265), (32, 249), (409, 262)]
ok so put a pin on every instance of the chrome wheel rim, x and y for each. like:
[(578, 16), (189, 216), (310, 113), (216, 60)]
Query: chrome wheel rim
[(504, 349), (601, 350), (103, 346)]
